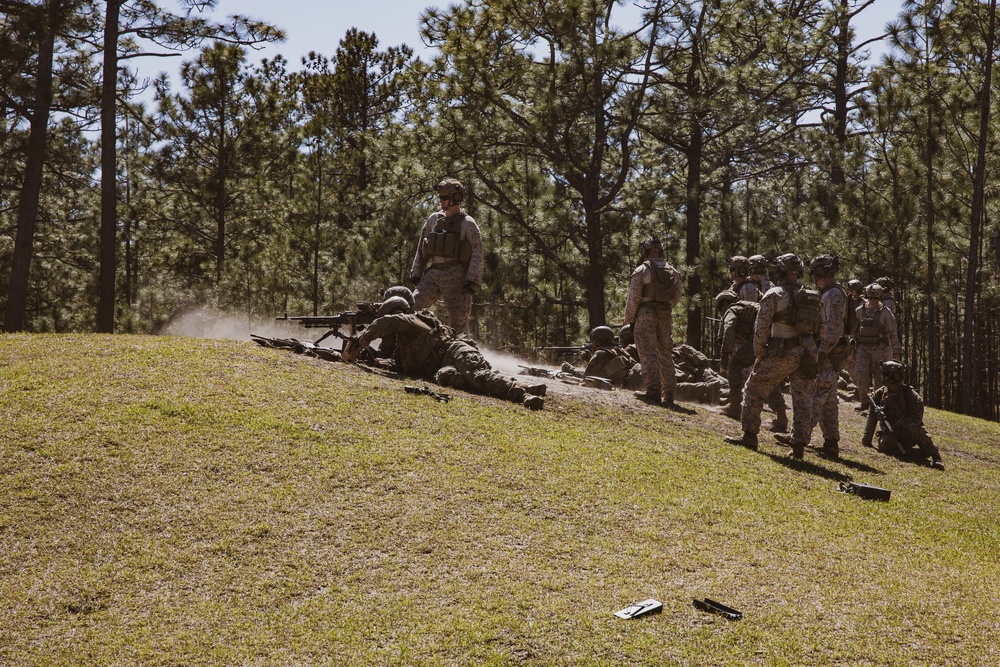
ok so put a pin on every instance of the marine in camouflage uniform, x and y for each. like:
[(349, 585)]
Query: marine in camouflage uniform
[(904, 412), (833, 348), (611, 362), (655, 288), (737, 357), (758, 273), (784, 347), (877, 341), (451, 244), (426, 348), (888, 300), (743, 285)]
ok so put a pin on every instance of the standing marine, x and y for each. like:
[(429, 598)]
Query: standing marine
[(744, 286), (788, 324), (654, 290), (876, 340), (450, 243), (833, 351)]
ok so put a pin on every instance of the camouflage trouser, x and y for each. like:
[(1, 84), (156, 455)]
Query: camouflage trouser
[(868, 369), (770, 372), (825, 410), (739, 372), (653, 333), (909, 440), (447, 284), (476, 373)]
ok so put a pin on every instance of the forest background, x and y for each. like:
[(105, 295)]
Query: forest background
[(263, 187)]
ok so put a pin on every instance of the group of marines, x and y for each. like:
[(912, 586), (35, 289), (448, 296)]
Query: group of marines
[(769, 334)]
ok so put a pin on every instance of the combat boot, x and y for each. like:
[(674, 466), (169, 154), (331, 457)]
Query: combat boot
[(533, 402), (733, 411), (536, 389), (668, 398), (652, 394), (937, 463), (784, 439), (798, 451), (830, 449), (748, 440)]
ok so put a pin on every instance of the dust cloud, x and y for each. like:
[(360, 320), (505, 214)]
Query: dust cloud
[(209, 323)]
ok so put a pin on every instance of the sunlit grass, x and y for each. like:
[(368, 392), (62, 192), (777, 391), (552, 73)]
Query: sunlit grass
[(169, 501)]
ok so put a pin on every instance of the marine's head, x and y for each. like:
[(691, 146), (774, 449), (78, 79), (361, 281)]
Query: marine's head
[(823, 266), (394, 305), (651, 248), (450, 192), (787, 267), (893, 372), (602, 336)]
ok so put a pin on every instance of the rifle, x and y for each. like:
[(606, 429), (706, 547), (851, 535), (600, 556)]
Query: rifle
[(884, 422), (427, 391), (353, 320), (569, 378), (564, 350)]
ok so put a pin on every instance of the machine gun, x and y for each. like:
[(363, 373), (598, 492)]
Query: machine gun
[(565, 376), (353, 321), (884, 423)]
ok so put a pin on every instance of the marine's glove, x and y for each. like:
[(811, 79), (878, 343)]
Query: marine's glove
[(414, 279), (470, 287), (351, 350)]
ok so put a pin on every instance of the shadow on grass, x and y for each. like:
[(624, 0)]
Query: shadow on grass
[(808, 466), (677, 407)]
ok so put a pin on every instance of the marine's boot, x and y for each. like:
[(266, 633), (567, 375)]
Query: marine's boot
[(668, 398), (536, 389), (830, 449), (937, 463), (652, 394), (784, 439), (798, 451), (748, 440), (533, 402)]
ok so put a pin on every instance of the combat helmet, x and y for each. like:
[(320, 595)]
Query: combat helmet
[(451, 188), (651, 245), (854, 285), (824, 266), (874, 291), (886, 282), (625, 335), (739, 265), (399, 290), (758, 264), (393, 305), (602, 336), (893, 372), (724, 299), (786, 264)]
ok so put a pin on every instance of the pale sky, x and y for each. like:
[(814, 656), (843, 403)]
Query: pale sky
[(312, 25)]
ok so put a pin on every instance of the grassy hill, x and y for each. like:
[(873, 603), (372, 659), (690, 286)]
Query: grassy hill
[(172, 501)]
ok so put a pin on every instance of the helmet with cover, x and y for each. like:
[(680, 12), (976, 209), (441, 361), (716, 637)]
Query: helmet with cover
[(893, 372), (625, 335), (739, 266), (725, 299), (874, 291), (651, 247), (602, 336), (786, 265), (886, 282), (401, 291), (758, 264), (854, 285), (394, 305), (824, 266), (452, 189)]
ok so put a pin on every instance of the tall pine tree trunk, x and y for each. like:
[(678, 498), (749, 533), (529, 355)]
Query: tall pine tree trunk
[(969, 368), (109, 173), (31, 190)]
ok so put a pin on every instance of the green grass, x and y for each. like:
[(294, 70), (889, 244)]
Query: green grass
[(169, 501)]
